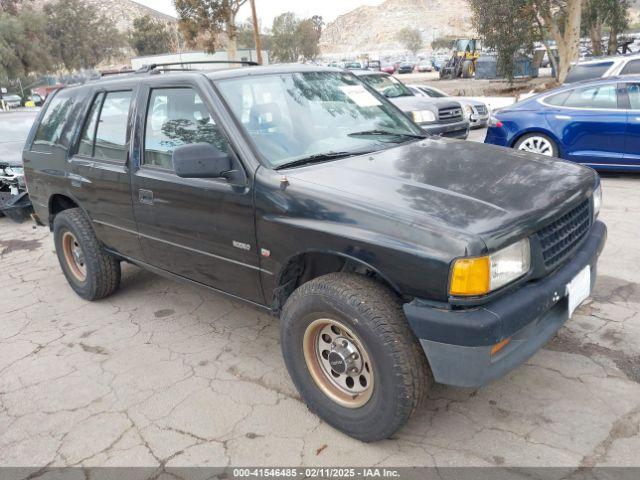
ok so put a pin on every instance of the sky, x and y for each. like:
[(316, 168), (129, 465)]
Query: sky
[(268, 9)]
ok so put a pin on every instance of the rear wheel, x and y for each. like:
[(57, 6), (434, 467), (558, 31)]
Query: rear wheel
[(352, 355), (91, 272), (537, 143)]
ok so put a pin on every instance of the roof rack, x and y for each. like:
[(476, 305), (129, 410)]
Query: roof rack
[(108, 73), (155, 66)]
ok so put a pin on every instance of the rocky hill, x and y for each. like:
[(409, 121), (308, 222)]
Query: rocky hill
[(370, 29), (373, 29), (123, 12)]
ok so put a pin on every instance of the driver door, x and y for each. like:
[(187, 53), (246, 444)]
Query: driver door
[(200, 229)]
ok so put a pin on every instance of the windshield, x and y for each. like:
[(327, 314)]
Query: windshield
[(387, 85), (434, 92), (293, 116)]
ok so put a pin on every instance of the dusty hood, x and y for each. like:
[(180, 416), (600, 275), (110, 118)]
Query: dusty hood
[(493, 192)]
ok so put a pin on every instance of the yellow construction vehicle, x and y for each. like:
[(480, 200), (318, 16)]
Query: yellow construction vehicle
[(463, 61)]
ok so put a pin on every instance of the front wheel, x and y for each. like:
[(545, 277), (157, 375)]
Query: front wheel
[(537, 143), (352, 355)]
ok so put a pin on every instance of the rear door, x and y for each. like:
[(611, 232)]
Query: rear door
[(99, 170), (201, 229), (591, 124)]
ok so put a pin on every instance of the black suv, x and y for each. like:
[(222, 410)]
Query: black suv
[(392, 257)]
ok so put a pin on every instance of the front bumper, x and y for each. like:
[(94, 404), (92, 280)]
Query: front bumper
[(451, 130), (458, 343)]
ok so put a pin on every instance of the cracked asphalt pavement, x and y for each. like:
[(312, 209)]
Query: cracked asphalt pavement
[(166, 374)]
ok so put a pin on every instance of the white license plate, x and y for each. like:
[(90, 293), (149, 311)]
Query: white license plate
[(579, 289)]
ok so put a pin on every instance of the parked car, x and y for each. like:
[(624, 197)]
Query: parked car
[(591, 123), (405, 67), (389, 68), (12, 101), (14, 199), (437, 116), (604, 67), (476, 111), (425, 66), (390, 256), (353, 66)]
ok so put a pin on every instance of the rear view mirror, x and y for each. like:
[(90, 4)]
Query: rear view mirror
[(201, 160)]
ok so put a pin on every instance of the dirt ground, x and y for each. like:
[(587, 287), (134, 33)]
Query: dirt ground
[(165, 374)]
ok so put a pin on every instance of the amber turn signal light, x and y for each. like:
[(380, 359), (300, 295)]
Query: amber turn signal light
[(470, 276)]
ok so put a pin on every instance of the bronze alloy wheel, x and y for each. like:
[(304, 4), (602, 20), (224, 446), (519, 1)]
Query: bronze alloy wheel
[(338, 363), (74, 256)]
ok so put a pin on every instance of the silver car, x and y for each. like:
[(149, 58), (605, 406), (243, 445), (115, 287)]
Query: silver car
[(476, 111)]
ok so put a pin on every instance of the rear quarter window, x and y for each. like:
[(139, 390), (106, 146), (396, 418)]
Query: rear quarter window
[(53, 130)]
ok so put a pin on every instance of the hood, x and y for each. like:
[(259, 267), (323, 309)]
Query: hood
[(11, 153), (496, 194), (413, 103)]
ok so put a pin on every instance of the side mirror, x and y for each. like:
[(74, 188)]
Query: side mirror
[(201, 160)]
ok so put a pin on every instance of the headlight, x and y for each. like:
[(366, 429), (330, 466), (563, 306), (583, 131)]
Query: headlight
[(423, 116), (481, 275), (597, 200), (468, 111)]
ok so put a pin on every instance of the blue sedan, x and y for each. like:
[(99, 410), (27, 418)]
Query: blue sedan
[(595, 123)]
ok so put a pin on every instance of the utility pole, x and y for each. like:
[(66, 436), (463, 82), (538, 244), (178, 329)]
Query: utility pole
[(256, 31)]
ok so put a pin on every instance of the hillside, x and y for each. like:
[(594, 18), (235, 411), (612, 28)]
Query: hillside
[(123, 12), (369, 29)]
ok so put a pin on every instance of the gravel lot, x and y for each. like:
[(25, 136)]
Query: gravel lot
[(162, 373)]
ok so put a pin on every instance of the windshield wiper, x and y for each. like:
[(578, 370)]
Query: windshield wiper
[(321, 157), (367, 133)]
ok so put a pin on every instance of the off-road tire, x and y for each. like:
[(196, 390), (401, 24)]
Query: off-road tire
[(102, 270), (467, 69), (374, 313)]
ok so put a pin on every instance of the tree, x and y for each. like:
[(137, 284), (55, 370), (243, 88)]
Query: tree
[(24, 45), (510, 40), (444, 43), (150, 36), (284, 46), (598, 14), (203, 21), (11, 7), (617, 20), (80, 36), (560, 21), (411, 39), (308, 34)]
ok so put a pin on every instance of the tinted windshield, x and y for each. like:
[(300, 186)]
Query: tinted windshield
[(433, 92), (591, 71), (292, 116), (387, 85)]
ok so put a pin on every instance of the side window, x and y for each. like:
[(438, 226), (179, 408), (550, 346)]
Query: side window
[(111, 135), (600, 96), (175, 117), (633, 90), (558, 99), (632, 67), (85, 147), (51, 127)]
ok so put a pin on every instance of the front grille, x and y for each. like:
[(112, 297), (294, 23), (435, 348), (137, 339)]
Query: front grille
[(481, 109), (450, 114), (559, 239)]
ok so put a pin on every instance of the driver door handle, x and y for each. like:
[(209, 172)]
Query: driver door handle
[(145, 197)]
